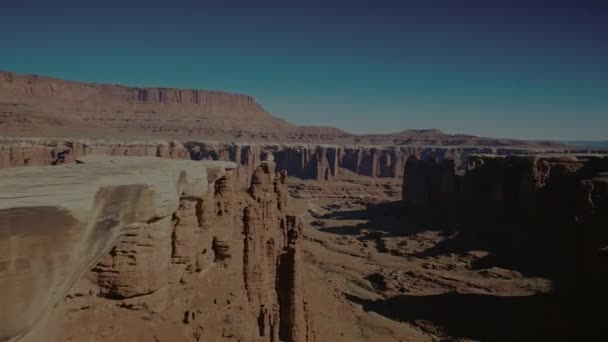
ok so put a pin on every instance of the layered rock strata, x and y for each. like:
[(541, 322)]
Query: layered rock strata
[(133, 248), (528, 183), (325, 162), (38, 106), (39, 152), (31, 105), (319, 162)]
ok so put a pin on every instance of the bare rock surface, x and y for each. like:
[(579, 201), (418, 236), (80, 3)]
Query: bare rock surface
[(136, 248), (58, 221)]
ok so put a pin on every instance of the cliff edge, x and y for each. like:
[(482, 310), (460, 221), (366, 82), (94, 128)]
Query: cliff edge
[(122, 248)]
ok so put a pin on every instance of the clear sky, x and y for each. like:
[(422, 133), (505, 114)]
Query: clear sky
[(521, 69)]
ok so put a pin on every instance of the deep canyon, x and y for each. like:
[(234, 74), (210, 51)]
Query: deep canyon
[(156, 214)]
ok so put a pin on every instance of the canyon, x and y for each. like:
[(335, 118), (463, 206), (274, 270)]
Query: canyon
[(158, 214), (48, 121), (318, 162), (541, 215)]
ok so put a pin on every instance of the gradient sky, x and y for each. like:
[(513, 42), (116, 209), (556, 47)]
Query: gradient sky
[(519, 69)]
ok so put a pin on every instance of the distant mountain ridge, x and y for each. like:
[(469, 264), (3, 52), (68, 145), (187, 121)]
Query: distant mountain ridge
[(37, 106), (600, 144)]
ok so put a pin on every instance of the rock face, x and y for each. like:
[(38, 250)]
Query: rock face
[(527, 183), (319, 162), (52, 107), (125, 248), (269, 287), (326, 162), (39, 152), (559, 202), (429, 181)]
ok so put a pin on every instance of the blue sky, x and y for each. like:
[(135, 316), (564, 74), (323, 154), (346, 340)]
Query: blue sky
[(520, 69)]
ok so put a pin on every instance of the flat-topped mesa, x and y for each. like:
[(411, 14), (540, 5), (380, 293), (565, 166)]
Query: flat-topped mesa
[(35, 106), (53, 107), (58, 221), (33, 86)]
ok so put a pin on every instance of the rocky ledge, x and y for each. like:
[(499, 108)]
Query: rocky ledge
[(168, 239)]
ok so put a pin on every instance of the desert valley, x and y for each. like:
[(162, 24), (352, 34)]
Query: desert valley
[(156, 214)]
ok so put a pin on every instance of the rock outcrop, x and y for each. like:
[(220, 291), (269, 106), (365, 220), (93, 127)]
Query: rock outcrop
[(135, 248), (556, 206)]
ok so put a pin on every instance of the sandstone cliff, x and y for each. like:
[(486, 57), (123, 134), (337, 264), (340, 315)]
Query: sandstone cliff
[(319, 162), (55, 107), (546, 214), (122, 248), (527, 183)]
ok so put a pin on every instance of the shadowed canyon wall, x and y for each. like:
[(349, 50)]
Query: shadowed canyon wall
[(545, 215), (527, 183), (320, 162), (324, 162)]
